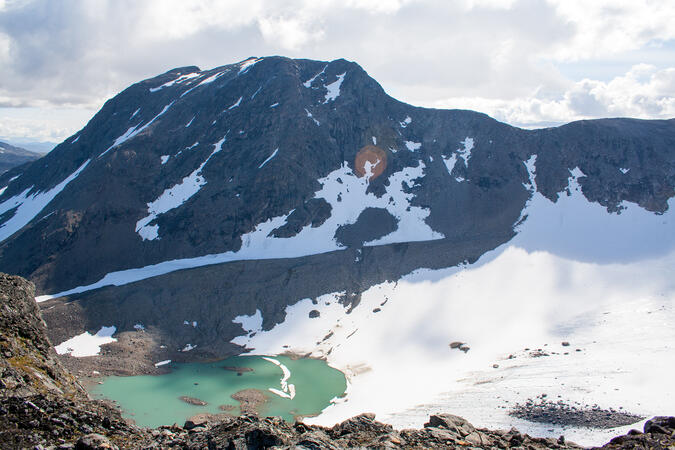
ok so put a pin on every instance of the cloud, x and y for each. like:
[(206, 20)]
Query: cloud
[(643, 92), (77, 53)]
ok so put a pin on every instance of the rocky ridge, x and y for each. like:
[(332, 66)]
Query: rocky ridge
[(43, 406)]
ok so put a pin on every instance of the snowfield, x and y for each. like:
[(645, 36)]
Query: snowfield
[(574, 273), (86, 344)]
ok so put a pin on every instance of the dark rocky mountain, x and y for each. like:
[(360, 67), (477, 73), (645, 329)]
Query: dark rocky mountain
[(210, 194), (11, 156), (43, 406)]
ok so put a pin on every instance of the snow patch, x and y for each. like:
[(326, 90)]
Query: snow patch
[(178, 80), (29, 205), (287, 390), (190, 122), (309, 114), (188, 347), (235, 104), (333, 89), (308, 83), (75, 140), (164, 159), (465, 153), (134, 131), (274, 105), (623, 170), (86, 344), (174, 197), (374, 140), (412, 146), (163, 363), (247, 64), (251, 324), (139, 327), (274, 153), (407, 121)]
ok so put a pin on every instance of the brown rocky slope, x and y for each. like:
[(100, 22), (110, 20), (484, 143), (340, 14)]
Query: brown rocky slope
[(44, 406)]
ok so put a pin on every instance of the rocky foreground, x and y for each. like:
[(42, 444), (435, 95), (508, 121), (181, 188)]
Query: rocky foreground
[(44, 406)]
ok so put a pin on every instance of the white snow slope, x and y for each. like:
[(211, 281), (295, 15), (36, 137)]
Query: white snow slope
[(29, 205), (603, 282)]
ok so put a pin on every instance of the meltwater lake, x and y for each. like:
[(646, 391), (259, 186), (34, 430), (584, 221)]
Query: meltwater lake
[(289, 388)]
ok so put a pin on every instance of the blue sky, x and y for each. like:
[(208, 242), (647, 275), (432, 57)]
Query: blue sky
[(526, 62)]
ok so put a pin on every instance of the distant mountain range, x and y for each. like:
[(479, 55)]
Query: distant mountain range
[(11, 156)]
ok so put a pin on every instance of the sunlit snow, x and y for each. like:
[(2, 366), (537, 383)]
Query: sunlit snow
[(412, 146), (173, 197), (178, 80), (274, 153), (86, 344), (333, 89), (235, 104), (134, 131), (29, 205), (309, 82), (573, 273), (244, 66)]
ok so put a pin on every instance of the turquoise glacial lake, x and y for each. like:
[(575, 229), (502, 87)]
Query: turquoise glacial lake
[(154, 400)]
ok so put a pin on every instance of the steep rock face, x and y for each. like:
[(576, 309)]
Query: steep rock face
[(273, 180), (12, 156)]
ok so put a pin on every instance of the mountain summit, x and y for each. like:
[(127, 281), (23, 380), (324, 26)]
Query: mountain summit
[(204, 205)]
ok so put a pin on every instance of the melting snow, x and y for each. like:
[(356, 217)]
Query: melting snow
[(333, 89), (85, 344), (287, 390), (245, 65), (250, 324), (29, 205), (309, 82), (178, 80), (274, 153), (412, 146), (173, 197), (237, 103), (309, 114), (607, 284), (465, 153), (134, 131), (530, 165)]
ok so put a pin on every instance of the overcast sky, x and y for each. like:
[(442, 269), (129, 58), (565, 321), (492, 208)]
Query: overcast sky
[(526, 62)]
